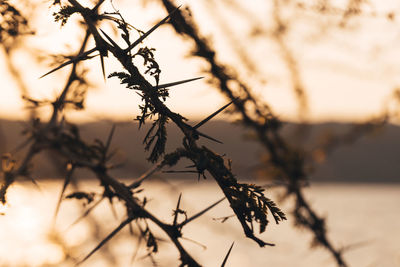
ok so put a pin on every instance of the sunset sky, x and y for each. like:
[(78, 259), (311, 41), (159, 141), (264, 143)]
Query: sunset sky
[(348, 73)]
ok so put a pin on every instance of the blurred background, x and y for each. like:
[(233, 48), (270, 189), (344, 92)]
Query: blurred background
[(329, 70)]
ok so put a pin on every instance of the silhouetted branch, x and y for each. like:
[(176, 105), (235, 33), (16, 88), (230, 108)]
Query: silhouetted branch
[(248, 201), (289, 162)]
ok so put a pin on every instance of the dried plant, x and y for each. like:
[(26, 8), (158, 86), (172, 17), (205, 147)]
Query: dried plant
[(249, 203)]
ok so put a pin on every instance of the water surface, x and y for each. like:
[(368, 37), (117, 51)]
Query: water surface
[(362, 218)]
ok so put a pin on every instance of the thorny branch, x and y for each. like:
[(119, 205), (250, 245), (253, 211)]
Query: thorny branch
[(289, 161), (247, 201)]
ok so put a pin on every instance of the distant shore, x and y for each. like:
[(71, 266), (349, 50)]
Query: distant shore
[(369, 159)]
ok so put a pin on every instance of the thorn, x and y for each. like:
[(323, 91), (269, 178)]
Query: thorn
[(102, 66), (227, 255), (155, 168), (114, 44), (111, 235), (200, 213), (177, 83), (35, 183), (108, 143), (224, 219), (207, 136), (176, 210), (356, 245), (84, 55), (97, 5), (209, 118), (66, 183), (213, 114), (86, 213), (141, 38)]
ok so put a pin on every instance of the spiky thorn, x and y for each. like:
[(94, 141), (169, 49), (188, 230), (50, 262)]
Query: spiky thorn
[(114, 44), (141, 38), (199, 214), (103, 69), (82, 56), (86, 213), (198, 171), (108, 143), (85, 55), (355, 245), (227, 255), (194, 128), (106, 239), (176, 83), (177, 210), (213, 114), (30, 178), (98, 5), (224, 219), (114, 212), (156, 167), (101, 46), (71, 169), (207, 136)]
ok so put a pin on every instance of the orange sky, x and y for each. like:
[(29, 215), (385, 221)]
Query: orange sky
[(347, 74)]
